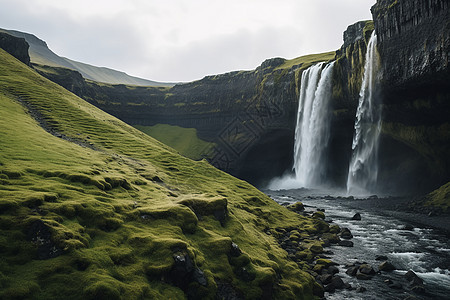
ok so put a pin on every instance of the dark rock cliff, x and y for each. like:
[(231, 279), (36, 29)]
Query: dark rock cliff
[(414, 47), (17, 47)]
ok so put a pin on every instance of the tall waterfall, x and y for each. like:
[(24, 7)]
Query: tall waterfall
[(312, 130), (363, 168)]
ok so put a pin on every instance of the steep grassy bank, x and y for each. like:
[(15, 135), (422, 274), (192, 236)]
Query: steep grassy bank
[(91, 208)]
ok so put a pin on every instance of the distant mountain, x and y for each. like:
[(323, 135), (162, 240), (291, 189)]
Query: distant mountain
[(41, 54)]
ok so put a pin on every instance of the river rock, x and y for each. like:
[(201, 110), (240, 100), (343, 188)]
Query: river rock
[(346, 243), (325, 278), (381, 257), (362, 276), (386, 266), (366, 269), (352, 271), (332, 270), (357, 217), (361, 289), (413, 279), (319, 215), (346, 234)]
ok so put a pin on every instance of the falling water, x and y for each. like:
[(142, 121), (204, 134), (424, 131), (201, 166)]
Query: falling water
[(363, 168), (312, 130)]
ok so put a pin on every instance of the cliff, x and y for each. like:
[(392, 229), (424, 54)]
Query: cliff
[(414, 47), (17, 47)]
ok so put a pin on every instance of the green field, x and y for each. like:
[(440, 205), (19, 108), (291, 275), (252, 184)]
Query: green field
[(92, 208), (184, 140)]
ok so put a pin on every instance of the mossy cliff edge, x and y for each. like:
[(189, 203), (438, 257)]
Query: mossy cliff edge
[(91, 208)]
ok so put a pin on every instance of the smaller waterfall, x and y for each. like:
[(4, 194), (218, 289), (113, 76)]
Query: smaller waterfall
[(312, 130), (363, 168)]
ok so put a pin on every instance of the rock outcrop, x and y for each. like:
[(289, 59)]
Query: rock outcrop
[(17, 47), (414, 47)]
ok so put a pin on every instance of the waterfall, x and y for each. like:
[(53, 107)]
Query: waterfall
[(363, 168), (312, 129)]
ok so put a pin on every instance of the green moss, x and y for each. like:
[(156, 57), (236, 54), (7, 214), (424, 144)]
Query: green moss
[(184, 140), (119, 205), (439, 198)]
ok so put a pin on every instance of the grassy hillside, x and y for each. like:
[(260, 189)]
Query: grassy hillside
[(91, 208), (184, 140)]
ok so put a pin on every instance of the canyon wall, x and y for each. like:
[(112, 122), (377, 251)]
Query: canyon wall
[(251, 115)]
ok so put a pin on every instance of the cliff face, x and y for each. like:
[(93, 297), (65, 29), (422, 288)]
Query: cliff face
[(414, 45), (17, 47), (347, 79), (249, 115)]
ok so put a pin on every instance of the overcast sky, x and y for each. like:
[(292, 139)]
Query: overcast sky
[(181, 40)]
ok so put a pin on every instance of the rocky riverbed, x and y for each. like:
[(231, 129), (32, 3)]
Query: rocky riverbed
[(374, 248)]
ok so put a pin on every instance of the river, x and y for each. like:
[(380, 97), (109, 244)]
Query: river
[(407, 245)]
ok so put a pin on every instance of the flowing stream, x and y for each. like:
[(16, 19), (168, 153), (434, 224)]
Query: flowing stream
[(363, 168), (425, 251)]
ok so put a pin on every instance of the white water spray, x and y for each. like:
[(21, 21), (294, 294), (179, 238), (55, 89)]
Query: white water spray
[(312, 130), (363, 168)]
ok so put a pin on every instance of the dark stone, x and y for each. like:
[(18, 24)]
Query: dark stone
[(346, 234), (361, 289), (338, 282), (220, 215), (332, 270), (235, 251), (346, 243), (325, 278), (40, 235), (15, 46), (418, 289), (184, 272), (352, 271), (226, 291), (329, 288), (362, 276), (366, 269), (386, 266), (413, 279), (381, 257), (357, 217)]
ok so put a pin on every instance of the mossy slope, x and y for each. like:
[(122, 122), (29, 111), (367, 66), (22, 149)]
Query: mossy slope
[(91, 208), (184, 140)]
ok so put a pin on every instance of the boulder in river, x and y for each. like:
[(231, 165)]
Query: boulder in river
[(386, 266), (346, 234), (357, 217), (346, 243)]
